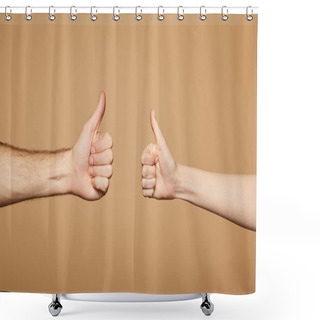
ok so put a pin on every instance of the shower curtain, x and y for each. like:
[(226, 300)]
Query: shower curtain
[(200, 78)]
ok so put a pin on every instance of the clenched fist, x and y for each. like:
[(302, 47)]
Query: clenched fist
[(159, 170), (92, 158)]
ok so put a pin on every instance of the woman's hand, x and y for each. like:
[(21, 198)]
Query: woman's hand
[(159, 170), (232, 196)]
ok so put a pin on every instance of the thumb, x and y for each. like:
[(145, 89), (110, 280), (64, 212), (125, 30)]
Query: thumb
[(156, 129), (97, 116)]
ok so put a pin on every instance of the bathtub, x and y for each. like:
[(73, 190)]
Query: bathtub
[(55, 306), (129, 297)]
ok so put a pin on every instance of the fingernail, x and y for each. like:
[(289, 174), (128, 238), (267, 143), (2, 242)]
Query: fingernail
[(93, 150), (91, 160), (91, 171)]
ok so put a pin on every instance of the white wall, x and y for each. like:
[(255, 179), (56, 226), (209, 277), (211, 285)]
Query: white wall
[(288, 192)]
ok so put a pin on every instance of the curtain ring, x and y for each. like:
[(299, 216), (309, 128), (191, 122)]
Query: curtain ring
[(203, 15), (116, 17), (6, 15), (93, 16), (180, 15), (73, 16), (138, 16), (248, 16), (160, 16), (27, 15), (224, 15), (52, 16)]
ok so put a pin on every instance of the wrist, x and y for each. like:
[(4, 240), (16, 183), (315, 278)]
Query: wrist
[(68, 171), (180, 187), (61, 176)]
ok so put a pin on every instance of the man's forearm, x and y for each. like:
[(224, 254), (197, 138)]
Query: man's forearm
[(26, 174), (232, 196)]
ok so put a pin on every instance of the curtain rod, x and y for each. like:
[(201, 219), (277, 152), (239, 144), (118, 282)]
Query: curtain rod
[(126, 9)]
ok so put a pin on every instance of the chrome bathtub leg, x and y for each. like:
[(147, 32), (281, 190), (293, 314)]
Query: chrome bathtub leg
[(55, 306), (206, 305)]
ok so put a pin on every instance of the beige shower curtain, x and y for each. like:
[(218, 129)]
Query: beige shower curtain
[(200, 77)]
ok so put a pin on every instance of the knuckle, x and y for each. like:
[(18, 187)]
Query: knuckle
[(147, 183), (143, 158), (109, 140), (105, 185), (143, 182), (109, 171), (148, 159), (110, 155), (147, 193), (148, 171), (144, 171)]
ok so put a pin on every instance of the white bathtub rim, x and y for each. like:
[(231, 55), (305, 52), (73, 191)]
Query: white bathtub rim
[(129, 297)]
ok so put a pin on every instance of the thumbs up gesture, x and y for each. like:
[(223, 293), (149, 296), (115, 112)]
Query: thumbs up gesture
[(159, 170), (92, 158)]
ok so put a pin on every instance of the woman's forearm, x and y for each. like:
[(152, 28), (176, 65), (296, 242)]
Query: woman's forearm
[(232, 196), (28, 174)]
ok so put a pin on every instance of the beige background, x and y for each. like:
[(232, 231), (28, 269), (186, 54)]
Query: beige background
[(200, 76)]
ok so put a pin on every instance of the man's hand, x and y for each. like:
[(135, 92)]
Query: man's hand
[(91, 158), (159, 170)]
